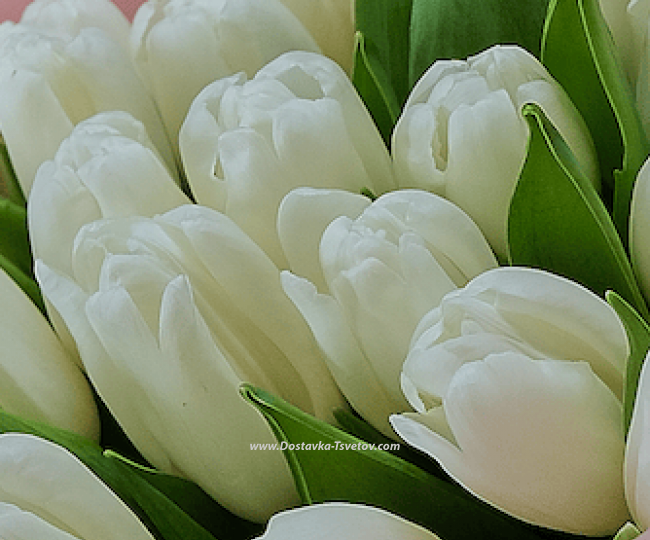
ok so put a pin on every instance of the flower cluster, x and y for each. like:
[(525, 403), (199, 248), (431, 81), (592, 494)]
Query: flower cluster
[(231, 227)]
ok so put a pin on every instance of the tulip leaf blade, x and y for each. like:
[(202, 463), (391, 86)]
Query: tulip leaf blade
[(638, 335), (15, 251), (558, 222), (579, 52), (9, 186), (384, 25), (378, 478), (456, 29), (372, 84), (167, 518)]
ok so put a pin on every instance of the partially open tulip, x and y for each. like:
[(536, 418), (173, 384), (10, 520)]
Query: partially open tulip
[(383, 271), (298, 122), (517, 381), (180, 46), (107, 167), (46, 492), (50, 83), (342, 521), (462, 135), (39, 380), (71, 16), (170, 315)]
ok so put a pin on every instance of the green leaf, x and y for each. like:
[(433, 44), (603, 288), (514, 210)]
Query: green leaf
[(381, 60), (558, 222), (627, 532), (147, 493), (384, 25), (638, 335), (9, 186), (579, 52), (378, 478), (194, 502), (15, 251), (375, 89), (14, 240), (444, 29)]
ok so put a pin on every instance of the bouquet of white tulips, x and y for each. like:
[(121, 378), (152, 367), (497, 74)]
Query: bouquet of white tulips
[(325, 269)]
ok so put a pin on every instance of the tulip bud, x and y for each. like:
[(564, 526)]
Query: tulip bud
[(342, 521), (298, 122), (107, 167), (517, 380), (46, 492), (383, 271), (462, 135), (49, 84), (38, 379), (331, 23), (180, 46), (170, 315), (71, 16)]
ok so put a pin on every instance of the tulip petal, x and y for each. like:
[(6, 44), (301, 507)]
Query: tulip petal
[(43, 478), (303, 216), (637, 464), (343, 521), (351, 368), (70, 301), (541, 440), (559, 317), (39, 379)]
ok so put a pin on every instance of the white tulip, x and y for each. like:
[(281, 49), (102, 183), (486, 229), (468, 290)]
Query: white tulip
[(517, 380), (331, 23), (342, 521), (640, 228), (38, 379), (71, 16), (46, 492), (106, 168), (298, 122), (383, 271), (637, 465), (462, 135), (170, 315), (49, 83), (180, 46)]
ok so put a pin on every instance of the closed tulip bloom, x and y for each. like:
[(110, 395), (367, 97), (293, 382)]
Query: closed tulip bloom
[(462, 135), (38, 379), (170, 315), (108, 167), (180, 46), (71, 16), (298, 122), (384, 270), (517, 382), (331, 23), (342, 521), (46, 492), (48, 84)]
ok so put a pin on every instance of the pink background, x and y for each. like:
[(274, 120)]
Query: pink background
[(12, 9)]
